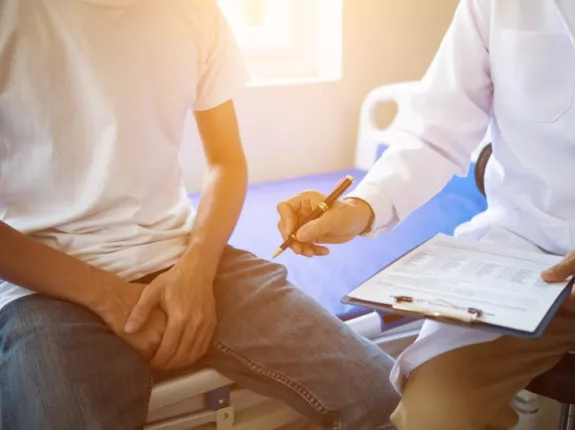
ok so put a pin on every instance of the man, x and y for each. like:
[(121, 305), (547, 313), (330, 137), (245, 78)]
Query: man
[(93, 96), (508, 64)]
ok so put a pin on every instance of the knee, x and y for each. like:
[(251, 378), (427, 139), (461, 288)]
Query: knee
[(367, 398), (81, 376), (429, 416), (430, 408)]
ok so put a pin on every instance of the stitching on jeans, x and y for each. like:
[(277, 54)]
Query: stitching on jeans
[(282, 379), (337, 422), (150, 388)]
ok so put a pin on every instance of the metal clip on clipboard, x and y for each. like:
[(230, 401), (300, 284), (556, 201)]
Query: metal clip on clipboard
[(405, 303)]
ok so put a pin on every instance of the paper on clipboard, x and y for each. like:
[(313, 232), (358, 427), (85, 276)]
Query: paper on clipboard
[(447, 274)]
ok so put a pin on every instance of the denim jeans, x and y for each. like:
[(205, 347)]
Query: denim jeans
[(62, 368)]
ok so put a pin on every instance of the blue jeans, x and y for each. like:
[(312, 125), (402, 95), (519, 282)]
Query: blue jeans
[(62, 368)]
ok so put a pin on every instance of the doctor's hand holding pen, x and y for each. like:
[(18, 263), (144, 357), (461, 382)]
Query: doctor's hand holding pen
[(311, 220)]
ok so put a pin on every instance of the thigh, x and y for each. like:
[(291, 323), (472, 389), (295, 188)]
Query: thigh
[(472, 386), (274, 339), (61, 367)]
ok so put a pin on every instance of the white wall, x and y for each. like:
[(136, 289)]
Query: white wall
[(305, 129)]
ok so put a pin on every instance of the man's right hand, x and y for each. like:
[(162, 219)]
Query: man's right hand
[(343, 221), (115, 309)]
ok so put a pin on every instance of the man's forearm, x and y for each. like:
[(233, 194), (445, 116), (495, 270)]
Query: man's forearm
[(218, 211), (37, 267)]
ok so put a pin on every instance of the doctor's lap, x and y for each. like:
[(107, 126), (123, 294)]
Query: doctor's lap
[(471, 387)]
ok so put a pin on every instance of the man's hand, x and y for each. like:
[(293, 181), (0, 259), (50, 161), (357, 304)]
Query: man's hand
[(185, 294), (343, 221), (115, 312)]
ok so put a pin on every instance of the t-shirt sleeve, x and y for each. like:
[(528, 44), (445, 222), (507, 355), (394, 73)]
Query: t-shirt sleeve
[(222, 72)]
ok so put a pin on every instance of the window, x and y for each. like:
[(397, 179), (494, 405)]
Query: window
[(288, 40)]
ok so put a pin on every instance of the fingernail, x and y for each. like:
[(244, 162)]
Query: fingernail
[(549, 272), (130, 327), (550, 276)]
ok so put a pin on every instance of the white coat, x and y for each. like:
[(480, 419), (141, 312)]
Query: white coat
[(507, 66)]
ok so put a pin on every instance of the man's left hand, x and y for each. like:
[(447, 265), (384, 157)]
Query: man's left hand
[(185, 294)]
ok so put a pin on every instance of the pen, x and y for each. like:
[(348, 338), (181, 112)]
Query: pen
[(324, 205)]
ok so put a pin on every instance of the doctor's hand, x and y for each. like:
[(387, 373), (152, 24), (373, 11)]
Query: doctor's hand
[(560, 273), (185, 295), (343, 221)]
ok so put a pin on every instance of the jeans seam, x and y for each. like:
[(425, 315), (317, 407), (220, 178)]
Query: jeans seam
[(278, 377), (150, 389)]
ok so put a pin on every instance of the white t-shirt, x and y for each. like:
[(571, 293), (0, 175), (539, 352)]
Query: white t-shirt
[(93, 100)]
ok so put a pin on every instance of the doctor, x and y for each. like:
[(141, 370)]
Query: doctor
[(508, 64)]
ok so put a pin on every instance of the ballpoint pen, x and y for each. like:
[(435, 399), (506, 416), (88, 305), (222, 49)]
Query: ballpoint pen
[(323, 206)]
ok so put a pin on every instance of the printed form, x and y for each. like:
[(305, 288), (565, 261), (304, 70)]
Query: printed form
[(447, 274)]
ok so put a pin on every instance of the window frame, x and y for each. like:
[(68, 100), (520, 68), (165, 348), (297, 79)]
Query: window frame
[(309, 50)]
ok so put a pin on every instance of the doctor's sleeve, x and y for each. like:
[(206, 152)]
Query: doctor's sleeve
[(441, 125)]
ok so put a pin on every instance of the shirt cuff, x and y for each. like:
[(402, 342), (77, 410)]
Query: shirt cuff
[(382, 205)]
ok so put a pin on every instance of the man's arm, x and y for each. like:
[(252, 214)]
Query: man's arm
[(224, 191), (185, 292), (37, 267)]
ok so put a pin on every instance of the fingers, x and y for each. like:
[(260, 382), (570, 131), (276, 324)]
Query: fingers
[(320, 250), (309, 249), (149, 299), (153, 332), (149, 343), (170, 342), (194, 343), (312, 250), (184, 350), (203, 344), (561, 271), (315, 231), (294, 211), (305, 249), (287, 222)]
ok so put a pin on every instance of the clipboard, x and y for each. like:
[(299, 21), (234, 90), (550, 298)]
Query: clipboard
[(464, 317), (461, 319)]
